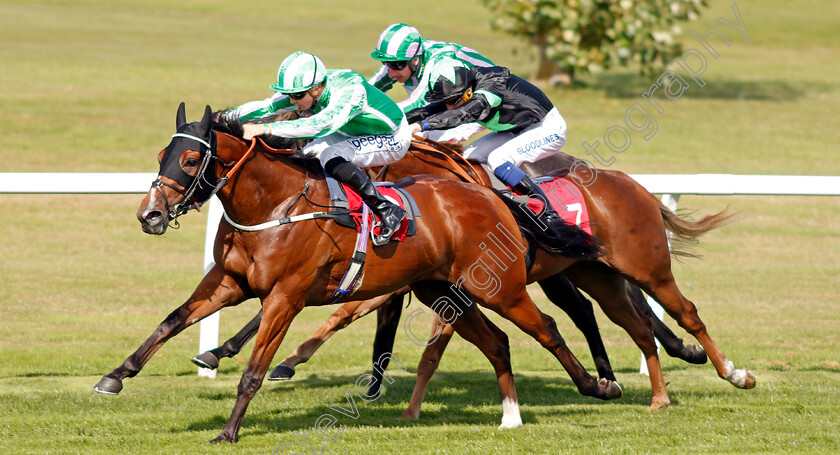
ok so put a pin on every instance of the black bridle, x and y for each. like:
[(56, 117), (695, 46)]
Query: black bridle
[(197, 188)]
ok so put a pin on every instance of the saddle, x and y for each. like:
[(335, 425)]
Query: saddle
[(348, 210), (563, 196), (347, 207)]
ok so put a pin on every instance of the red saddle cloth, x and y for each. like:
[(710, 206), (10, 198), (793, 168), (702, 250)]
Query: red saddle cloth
[(566, 200), (354, 202)]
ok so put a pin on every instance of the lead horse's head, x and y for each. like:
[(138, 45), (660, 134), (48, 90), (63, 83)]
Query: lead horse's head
[(187, 176)]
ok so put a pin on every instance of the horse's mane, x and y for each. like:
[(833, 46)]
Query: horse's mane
[(234, 128)]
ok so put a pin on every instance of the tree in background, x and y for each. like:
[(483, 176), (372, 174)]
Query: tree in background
[(574, 36)]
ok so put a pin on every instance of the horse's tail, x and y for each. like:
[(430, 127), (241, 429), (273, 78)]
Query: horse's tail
[(685, 233), (559, 239)]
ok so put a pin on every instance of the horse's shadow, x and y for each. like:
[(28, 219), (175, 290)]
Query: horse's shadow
[(470, 398)]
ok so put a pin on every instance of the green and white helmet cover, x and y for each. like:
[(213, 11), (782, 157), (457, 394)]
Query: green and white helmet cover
[(448, 78), (399, 42), (298, 72)]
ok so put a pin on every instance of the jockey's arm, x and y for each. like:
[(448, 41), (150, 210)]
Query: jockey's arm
[(261, 110), (343, 106), (474, 110), (382, 80)]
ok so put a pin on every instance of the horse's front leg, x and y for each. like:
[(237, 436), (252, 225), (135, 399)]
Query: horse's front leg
[(210, 359), (342, 317), (278, 313), (216, 290)]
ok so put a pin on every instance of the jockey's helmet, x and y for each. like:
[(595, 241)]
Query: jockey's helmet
[(399, 42), (449, 78), (299, 72)]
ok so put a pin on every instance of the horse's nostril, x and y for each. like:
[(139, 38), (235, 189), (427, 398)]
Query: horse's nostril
[(153, 215)]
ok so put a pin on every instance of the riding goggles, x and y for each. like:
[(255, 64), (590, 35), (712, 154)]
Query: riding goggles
[(456, 99), (398, 65)]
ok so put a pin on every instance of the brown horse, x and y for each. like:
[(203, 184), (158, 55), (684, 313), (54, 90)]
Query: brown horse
[(634, 225), (257, 186)]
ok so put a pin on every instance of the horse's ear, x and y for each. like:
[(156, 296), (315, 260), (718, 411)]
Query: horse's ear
[(181, 116), (206, 121)]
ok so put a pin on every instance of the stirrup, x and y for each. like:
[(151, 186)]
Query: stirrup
[(379, 240), (550, 215)]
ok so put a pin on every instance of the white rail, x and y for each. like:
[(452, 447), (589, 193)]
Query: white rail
[(670, 186)]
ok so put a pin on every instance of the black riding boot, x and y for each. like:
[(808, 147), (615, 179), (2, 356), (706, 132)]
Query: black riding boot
[(528, 187), (390, 214)]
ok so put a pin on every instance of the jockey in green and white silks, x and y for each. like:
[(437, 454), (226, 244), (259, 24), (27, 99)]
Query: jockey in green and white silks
[(353, 125), (525, 126), (409, 59)]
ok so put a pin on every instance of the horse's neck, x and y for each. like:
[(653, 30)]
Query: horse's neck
[(265, 185)]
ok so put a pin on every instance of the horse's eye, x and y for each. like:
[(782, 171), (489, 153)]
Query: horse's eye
[(191, 162)]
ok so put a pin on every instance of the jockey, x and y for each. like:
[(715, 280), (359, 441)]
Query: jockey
[(525, 125), (353, 125), (409, 59)]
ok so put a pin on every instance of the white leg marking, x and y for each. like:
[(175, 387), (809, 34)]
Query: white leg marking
[(738, 378), (730, 367), (510, 418)]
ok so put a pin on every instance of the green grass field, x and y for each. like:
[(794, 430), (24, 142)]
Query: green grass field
[(92, 86)]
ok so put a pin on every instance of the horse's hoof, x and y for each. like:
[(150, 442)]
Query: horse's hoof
[(695, 355), (281, 372), (221, 438), (657, 405), (742, 379), (409, 415), (108, 386), (511, 424), (611, 389), (749, 381), (206, 360)]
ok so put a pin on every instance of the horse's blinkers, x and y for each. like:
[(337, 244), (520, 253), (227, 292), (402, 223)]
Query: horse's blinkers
[(198, 188)]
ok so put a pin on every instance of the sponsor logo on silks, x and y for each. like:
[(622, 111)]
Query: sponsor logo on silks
[(538, 143), (386, 141)]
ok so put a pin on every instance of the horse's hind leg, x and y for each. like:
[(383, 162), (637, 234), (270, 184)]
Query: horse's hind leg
[(608, 288), (210, 359), (664, 290), (518, 308), (340, 319), (672, 344), (561, 292), (216, 290), (474, 327), (429, 362)]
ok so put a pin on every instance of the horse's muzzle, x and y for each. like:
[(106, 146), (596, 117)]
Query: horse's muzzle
[(153, 221)]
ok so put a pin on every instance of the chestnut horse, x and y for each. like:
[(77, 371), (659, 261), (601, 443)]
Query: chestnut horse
[(634, 224), (257, 186)]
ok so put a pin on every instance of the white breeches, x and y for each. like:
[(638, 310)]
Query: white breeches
[(538, 141), (363, 151)]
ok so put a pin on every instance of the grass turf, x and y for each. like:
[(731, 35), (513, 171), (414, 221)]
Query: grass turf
[(93, 85)]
